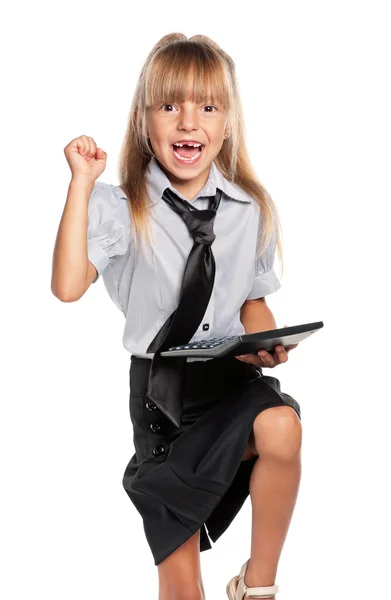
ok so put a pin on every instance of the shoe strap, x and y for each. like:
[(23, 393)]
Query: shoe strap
[(261, 592), (257, 592)]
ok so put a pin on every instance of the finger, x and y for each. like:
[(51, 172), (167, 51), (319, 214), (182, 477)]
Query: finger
[(258, 361), (247, 358), (281, 354), (253, 359), (87, 142), (92, 150), (291, 347), (266, 358)]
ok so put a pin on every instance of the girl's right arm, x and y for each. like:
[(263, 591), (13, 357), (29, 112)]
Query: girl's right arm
[(72, 272)]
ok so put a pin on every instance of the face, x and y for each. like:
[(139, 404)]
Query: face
[(202, 123)]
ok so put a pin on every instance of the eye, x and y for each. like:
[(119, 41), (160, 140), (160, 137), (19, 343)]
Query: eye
[(207, 106), (166, 105)]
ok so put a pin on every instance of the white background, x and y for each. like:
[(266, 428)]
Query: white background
[(314, 79)]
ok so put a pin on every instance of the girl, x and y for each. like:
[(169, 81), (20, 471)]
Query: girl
[(238, 434)]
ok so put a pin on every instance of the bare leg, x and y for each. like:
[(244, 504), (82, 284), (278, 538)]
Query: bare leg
[(180, 573), (274, 486)]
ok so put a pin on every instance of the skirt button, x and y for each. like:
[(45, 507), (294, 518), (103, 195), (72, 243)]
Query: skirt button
[(158, 450), (150, 405), (155, 426)]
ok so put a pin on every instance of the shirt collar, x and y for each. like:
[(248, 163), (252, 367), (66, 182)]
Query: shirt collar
[(158, 181)]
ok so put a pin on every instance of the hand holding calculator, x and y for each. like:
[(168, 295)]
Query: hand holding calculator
[(249, 343)]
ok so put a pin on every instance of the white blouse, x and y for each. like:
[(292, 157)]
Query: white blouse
[(148, 293)]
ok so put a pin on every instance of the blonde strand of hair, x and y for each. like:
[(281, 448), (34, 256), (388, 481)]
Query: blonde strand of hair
[(201, 52)]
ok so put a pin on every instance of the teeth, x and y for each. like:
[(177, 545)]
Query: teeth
[(188, 144), (187, 159)]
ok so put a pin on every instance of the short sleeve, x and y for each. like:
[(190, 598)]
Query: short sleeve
[(108, 231), (265, 278)]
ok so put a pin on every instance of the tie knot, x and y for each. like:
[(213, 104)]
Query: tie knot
[(200, 225), (198, 222)]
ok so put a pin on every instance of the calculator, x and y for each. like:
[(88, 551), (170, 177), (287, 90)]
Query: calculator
[(249, 343)]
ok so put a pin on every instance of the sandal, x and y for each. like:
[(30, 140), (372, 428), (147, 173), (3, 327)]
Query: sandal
[(238, 590)]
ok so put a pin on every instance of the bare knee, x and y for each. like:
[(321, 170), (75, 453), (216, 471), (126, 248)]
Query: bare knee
[(278, 433)]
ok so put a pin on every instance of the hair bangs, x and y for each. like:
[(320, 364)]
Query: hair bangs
[(186, 71)]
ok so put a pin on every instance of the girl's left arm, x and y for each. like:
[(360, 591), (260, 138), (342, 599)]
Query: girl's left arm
[(255, 316)]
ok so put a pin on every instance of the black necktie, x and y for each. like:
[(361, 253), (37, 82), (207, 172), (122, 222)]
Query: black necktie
[(166, 374)]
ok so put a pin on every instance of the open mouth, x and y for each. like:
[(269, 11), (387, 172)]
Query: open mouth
[(187, 153)]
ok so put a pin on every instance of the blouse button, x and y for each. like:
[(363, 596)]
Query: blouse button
[(150, 405), (155, 426), (158, 450)]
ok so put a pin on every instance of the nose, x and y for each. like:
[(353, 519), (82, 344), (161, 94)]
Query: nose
[(188, 118)]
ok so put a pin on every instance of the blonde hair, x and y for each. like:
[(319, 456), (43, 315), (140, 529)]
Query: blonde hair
[(165, 76)]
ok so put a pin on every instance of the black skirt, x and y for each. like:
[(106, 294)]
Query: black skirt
[(189, 478)]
